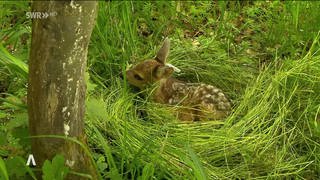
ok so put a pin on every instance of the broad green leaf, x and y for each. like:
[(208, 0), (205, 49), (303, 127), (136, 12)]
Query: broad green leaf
[(16, 167), (14, 64), (55, 170), (3, 170)]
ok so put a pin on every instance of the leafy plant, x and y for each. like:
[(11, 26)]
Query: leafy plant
[(56, 169), (17, 168)]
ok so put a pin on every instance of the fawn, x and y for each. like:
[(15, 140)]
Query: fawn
[(195, 101)]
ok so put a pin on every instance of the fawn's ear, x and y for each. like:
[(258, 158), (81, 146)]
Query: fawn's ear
[(163, 51), (163, 72)]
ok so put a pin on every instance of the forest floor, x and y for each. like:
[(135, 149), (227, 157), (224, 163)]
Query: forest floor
[(264, 55)]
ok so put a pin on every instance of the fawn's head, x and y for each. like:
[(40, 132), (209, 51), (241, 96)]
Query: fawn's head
[(152, 70)]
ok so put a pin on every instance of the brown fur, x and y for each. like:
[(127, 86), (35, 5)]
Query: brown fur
[(196, 101)]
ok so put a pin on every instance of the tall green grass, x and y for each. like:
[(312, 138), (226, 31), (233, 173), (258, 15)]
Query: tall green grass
[(272, 133)]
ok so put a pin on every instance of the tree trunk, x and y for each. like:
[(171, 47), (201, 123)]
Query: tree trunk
[(56, 92)]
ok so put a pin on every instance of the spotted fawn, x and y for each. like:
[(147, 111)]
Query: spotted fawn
[(194, 101)]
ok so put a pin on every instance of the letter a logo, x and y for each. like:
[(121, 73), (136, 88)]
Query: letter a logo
[(31, 160)]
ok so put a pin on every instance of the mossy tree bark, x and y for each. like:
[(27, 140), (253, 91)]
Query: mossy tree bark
[(56, 92)]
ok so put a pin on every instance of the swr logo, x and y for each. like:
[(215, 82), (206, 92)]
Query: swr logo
[(39, 15)]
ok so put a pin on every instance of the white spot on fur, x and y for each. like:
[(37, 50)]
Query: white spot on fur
[(216, 90), (210, 87), (207, 96), (202, 91), (210, 106), (221, 106)]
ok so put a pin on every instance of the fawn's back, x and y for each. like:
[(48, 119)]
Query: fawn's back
[(195, 101)]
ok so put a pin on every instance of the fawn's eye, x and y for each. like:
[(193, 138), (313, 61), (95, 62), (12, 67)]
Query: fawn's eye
[(138, 77)]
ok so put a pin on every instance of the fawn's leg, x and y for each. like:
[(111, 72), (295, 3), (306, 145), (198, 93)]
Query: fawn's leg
[(186, 114)]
